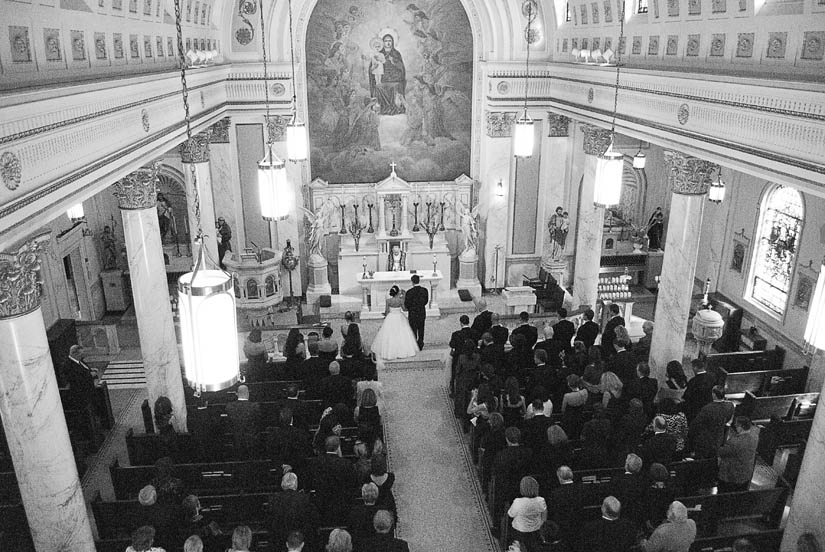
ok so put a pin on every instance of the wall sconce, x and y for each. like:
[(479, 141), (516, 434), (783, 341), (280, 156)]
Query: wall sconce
[(500, 188)]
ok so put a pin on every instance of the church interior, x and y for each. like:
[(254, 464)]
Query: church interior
[(203, 194)]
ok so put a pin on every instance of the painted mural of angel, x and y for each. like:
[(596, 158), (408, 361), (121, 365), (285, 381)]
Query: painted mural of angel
[(468, 220), (318, 223)]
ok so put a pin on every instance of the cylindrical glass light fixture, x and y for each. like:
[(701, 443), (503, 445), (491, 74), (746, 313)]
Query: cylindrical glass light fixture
[(523, 136), (639, 160), (716, 192), (206, 304), (76, 213), (274, 190), (815, 328), (296, 140), (609, 169)]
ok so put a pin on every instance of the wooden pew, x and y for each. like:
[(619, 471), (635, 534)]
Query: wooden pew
[(780, 433), (762, 540), (786, 381), (201, 479), (763, 505), (748, 361), (269, 412), (261, 391), (762, 409)]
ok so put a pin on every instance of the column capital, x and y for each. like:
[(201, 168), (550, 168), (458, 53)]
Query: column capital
[(20, 278), (276, 128), (558, 125), (596, 139), (219, 132), (500, 123), (195, 150), (688, 175), (138, 190)]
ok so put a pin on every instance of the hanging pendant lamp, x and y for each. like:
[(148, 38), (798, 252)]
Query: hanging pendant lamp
[(639, 160), (716, 191), (206, 302)]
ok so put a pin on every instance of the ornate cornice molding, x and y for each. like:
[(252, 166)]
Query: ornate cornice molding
[(558, 125), (500, 123), (596, 139), (220, 132), (688, 175), (20, 278), (196, 150), (138, 190)]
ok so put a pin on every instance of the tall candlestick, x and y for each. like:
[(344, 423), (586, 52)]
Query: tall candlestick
[(435, 262)]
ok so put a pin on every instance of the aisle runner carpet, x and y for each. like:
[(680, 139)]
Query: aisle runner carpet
[(440, 506)]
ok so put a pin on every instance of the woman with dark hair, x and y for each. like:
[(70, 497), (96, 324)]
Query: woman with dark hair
[(512, 403), (167, 436), (328, 427), (658, 496), (677, 425), (674, 386), (466, 371), (349, 318), (352, 354), (295, 353), (591, 381), (384, 480), (579, 359), (492, 443), (395, 338), (256, 355), (368, 412)]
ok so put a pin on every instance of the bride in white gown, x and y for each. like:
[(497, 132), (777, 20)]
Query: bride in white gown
[(395, 338)]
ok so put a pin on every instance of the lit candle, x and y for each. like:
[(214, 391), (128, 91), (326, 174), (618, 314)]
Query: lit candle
[(434, 258), (365, 259)]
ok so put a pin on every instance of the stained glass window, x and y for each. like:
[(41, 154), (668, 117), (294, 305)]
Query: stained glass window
[(780, 225)]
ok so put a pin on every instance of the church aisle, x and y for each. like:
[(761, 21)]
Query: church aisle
[(440, 506)]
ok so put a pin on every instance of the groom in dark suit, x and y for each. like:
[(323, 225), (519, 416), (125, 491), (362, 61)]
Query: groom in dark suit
[(415, 301)]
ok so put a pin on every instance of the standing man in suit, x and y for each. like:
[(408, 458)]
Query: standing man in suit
[(415, 302), (737, 456), (456, 343), (334, 480), (699, 390), (564, 330), (483, 320), (609, 333), (589, 330), (500, 333), (610, 533), (81, 378), (530, 333), (244, 417)]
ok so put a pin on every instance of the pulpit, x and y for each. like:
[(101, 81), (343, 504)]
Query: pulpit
[(257, 278), (375, 289)]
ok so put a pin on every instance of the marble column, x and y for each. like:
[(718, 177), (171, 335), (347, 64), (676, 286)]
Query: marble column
[(32, 413), (809, 493), (195, 153), (689, 179), (591, 222), (137, 195), (226, 180), (382, 221)]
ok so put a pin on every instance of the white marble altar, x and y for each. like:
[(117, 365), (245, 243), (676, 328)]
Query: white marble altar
[(519, 298), (375, 289)]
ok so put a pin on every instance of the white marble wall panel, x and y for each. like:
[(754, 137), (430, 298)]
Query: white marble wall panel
[(153, 310), (497, 163), (588, 239), (676, 285), (207, 212), (38, 438)]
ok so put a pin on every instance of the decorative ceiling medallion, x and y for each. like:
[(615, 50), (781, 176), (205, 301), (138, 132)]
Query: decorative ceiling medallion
[(590, 95), (683, 114), (278, 89), (248, 7), (530, 9), (144, 120), (10, 170), (503, 87)]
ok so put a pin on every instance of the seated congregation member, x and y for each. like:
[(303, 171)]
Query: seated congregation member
[(339, 541), (643, 387), (610, 533), (623, 363), (256, 354), (327, 346), (197, 524), (241, 539), (512, 403), (244, 418), (565, 507), (289, 444), (511, 464), (554, 452), (659, 447), (169, 488), (572, 406), (551, 346), (313, 370), (738, 456), (530, 332), (564, 330), (528, 513), (157, 517), (483, 320), (707, 430), (466, 373), (674, 535), (361, 515), (534, 429), (674, 386), (295, 353), (642, 347), (384, 481), (498, 332), (589, 330), (143, 539), (699, 390), (629, 488), (336, 388), (661, 491), (631, 426), (334, 480), (456, 344), (383, 540), (292, 510)]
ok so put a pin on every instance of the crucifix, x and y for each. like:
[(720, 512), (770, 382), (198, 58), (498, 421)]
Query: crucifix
[(392, 166)]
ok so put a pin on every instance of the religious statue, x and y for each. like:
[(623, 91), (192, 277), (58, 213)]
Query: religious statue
[(469, 226), (318, 222), (109, 242), (166, 217), (656, 229), (559, 226), (224, 235), (397, 259)]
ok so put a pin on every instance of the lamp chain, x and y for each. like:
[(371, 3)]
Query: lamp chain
[(618, 68), (527, 61), (266, 75), (292, 56), (196, 201)]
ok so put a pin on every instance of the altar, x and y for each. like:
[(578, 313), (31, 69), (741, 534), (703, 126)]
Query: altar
[(375, 289)]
